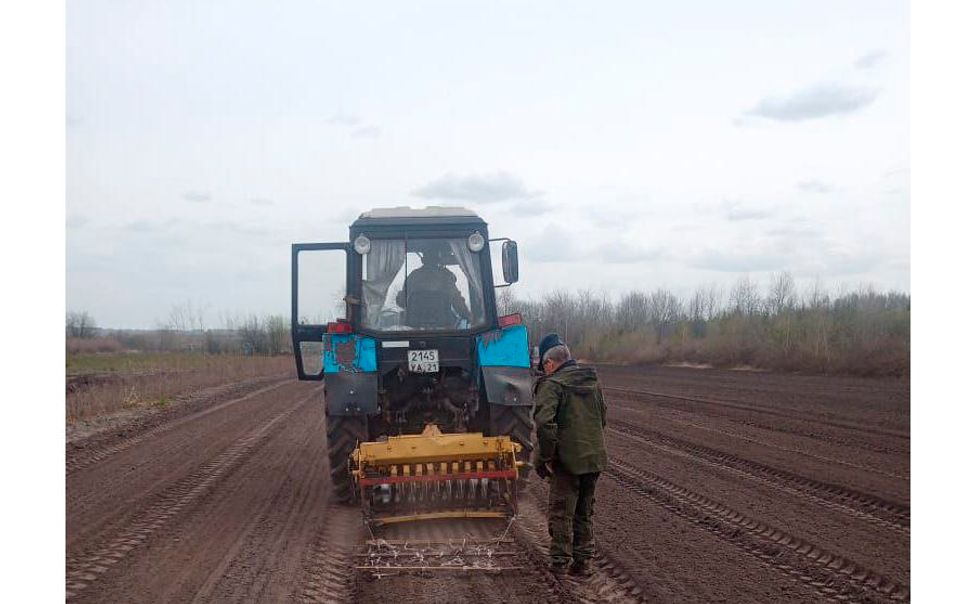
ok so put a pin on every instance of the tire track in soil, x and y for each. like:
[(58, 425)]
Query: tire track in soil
[(258, 562), (110, 494), (822, 436), (764, 443), (831, 575), (328, 577), (864, 397), (831, 439), (874, 510), (743, 406), (84, 569), (86, 459)]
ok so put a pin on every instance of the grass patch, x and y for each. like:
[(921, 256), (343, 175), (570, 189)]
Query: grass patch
[(139, 362), (155, 381)]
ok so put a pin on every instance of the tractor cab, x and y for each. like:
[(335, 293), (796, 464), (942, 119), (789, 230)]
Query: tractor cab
[(422, 284), (408, 272)]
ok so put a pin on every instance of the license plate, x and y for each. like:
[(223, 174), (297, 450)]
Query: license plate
[(423, 361)]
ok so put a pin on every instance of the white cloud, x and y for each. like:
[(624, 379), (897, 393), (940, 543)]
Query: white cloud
[(76, 221), (367, 132), (814, 186), (141, 226), (196, 196), (344, 119), (625, 253), (871, 59), (735, 211), (734, 261), (815, 102), (477, 188), (553, 244), (531, 207)]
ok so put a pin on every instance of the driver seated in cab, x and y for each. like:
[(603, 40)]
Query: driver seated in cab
[(431, 297)]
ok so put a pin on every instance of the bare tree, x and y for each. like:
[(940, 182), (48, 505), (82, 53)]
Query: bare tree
[(559, 310), (186, 317), (707, 302), (506, 301), (198, 318), (664, 311), (177, 320), (252, 335), (816, 298), (633, 311), (167, 339), (277, 329), (591, 310), (781, 293), (79, 325), (176, 331), (744, 298)]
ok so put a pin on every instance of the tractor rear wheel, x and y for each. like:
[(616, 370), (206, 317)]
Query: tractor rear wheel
[(344, 433), (516, 422)]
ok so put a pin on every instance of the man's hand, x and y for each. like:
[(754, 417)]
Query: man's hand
[(544, 470)]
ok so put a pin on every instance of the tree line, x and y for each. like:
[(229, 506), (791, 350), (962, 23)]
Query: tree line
[(861, 332), (185, 329)]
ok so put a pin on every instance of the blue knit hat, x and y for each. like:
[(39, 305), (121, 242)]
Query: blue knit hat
[(549, 342)]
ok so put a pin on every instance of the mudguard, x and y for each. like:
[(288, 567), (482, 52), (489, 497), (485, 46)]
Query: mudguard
[(504, 361), (348, 393), (508, 385)]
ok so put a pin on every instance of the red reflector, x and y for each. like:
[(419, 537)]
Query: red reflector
[(340, 326), (509, 320)]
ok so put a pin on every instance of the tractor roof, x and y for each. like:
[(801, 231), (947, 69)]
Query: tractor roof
[(405, 215)]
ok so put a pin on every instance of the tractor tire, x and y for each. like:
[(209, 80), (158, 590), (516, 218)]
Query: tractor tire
[(344, 433), (516, 422)]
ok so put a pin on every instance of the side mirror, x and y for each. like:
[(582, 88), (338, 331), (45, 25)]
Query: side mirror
[(509, 261)]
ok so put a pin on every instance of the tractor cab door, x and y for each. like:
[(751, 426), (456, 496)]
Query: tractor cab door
[(319, 283)]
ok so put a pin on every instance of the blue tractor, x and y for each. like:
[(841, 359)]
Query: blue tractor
[(420, 351)]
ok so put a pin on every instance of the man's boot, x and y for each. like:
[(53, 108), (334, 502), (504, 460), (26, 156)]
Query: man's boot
[(581, 568), (559, 569)]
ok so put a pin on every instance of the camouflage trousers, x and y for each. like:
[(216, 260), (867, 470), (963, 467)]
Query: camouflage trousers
[(571, 499)]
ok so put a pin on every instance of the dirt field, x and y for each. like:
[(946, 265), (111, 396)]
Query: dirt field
[(723, 486)]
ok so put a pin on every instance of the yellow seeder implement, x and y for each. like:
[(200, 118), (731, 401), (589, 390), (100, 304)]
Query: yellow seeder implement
[(435, 475)]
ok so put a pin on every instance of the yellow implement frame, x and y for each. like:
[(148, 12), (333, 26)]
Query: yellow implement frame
[(427, 472)]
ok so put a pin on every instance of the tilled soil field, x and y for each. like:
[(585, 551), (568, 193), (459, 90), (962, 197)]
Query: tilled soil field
[(723, 486)]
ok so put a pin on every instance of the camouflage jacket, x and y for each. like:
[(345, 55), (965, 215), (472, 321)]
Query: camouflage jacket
[(570, 414)]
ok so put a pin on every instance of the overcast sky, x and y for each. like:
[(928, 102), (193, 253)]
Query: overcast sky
[(623, 144)]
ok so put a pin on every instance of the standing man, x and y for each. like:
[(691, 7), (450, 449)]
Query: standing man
[(570, 415)]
